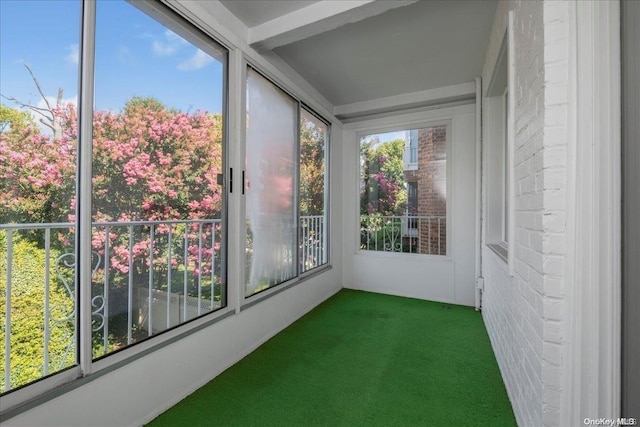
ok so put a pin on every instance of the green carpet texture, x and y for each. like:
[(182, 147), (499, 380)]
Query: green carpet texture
[(360, 359)]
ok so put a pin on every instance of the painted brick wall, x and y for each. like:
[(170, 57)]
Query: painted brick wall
[(523, 313)]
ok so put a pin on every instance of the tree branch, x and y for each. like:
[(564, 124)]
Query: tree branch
[(39, 88), (33, 108)]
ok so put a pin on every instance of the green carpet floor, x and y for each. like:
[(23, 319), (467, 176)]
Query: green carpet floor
[(360, 359)]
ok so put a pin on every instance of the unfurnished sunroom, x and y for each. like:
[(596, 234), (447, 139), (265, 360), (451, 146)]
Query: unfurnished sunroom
[(183, 180)]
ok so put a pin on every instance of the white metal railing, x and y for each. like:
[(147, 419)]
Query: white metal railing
[(138, 268), (313, 237), (148, 276), (408, 234)]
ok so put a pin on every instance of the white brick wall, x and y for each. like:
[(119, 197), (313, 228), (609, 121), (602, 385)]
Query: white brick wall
[(524, 313)]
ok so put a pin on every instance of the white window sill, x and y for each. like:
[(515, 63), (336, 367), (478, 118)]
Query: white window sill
[(501, 250)]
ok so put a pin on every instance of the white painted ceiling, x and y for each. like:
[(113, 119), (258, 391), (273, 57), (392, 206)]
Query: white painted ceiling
[(256, 12), (424, 45)]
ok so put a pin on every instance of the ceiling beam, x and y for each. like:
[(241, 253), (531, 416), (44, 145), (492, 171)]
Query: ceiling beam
[(314, 19), (442, 95)]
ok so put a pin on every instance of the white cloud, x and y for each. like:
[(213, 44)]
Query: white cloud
[(73, 54), (169, 46), (196, 62), (163, 49), (52, 101)]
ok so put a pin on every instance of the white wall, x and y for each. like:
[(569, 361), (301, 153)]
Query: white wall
[(439, 278), (524, 312), (139, 391)]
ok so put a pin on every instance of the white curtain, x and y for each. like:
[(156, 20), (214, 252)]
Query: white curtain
[(271, 178)]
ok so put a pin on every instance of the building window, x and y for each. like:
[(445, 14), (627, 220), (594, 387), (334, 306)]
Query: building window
[(271, 184), (156, 208), (403, 204), (286, 187), (496, 152), (157, 203), (505, 168), (38, 162), (314, 191)]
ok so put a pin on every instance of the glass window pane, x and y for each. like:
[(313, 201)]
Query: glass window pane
[(313, 192), (157, 151), (38, 81), (270, 189), (403, 196)]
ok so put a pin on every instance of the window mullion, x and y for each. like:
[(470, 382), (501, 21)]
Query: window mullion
[(83, 195), (296, 192)]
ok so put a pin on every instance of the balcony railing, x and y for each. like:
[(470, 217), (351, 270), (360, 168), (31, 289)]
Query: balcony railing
[(147, 276), (407, 234), (313, 237)]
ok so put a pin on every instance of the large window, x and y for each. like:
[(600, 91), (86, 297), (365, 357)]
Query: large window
[(270, 189), (314, 191), (114, 183), (403, 191), (286, 187), (38, 83), (157, 153), (156, 253)]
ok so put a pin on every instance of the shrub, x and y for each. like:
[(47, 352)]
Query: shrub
[(28, 295)]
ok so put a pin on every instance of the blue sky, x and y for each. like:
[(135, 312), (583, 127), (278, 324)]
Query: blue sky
[(135, 56), (384, 137)]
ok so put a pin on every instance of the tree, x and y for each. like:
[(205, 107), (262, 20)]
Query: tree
[(150, 163), (382, 178), (13, 120), (312, 168)]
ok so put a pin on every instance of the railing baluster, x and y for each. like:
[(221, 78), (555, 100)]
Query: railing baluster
[(105, 329), (314, 243), (7, 315), (213, 262), (130, 290), (184, 278), (439, 248), (150, 304), (309, 246), (308, 243), (199, 269), (47, 332), (303, 249), (169, 279), (429, 237)]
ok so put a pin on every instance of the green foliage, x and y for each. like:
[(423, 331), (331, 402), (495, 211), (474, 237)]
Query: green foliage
[(312, 168), (13, 120), (382, 177), (393, 167), (28, 313)]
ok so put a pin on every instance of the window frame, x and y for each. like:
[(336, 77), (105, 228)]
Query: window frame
[(327, 187), (239, 56), (447, 121), (499, 152), (247, 301), (86, 369)]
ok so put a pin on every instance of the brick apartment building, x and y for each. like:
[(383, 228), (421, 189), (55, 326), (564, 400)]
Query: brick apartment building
[(425, 173)]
